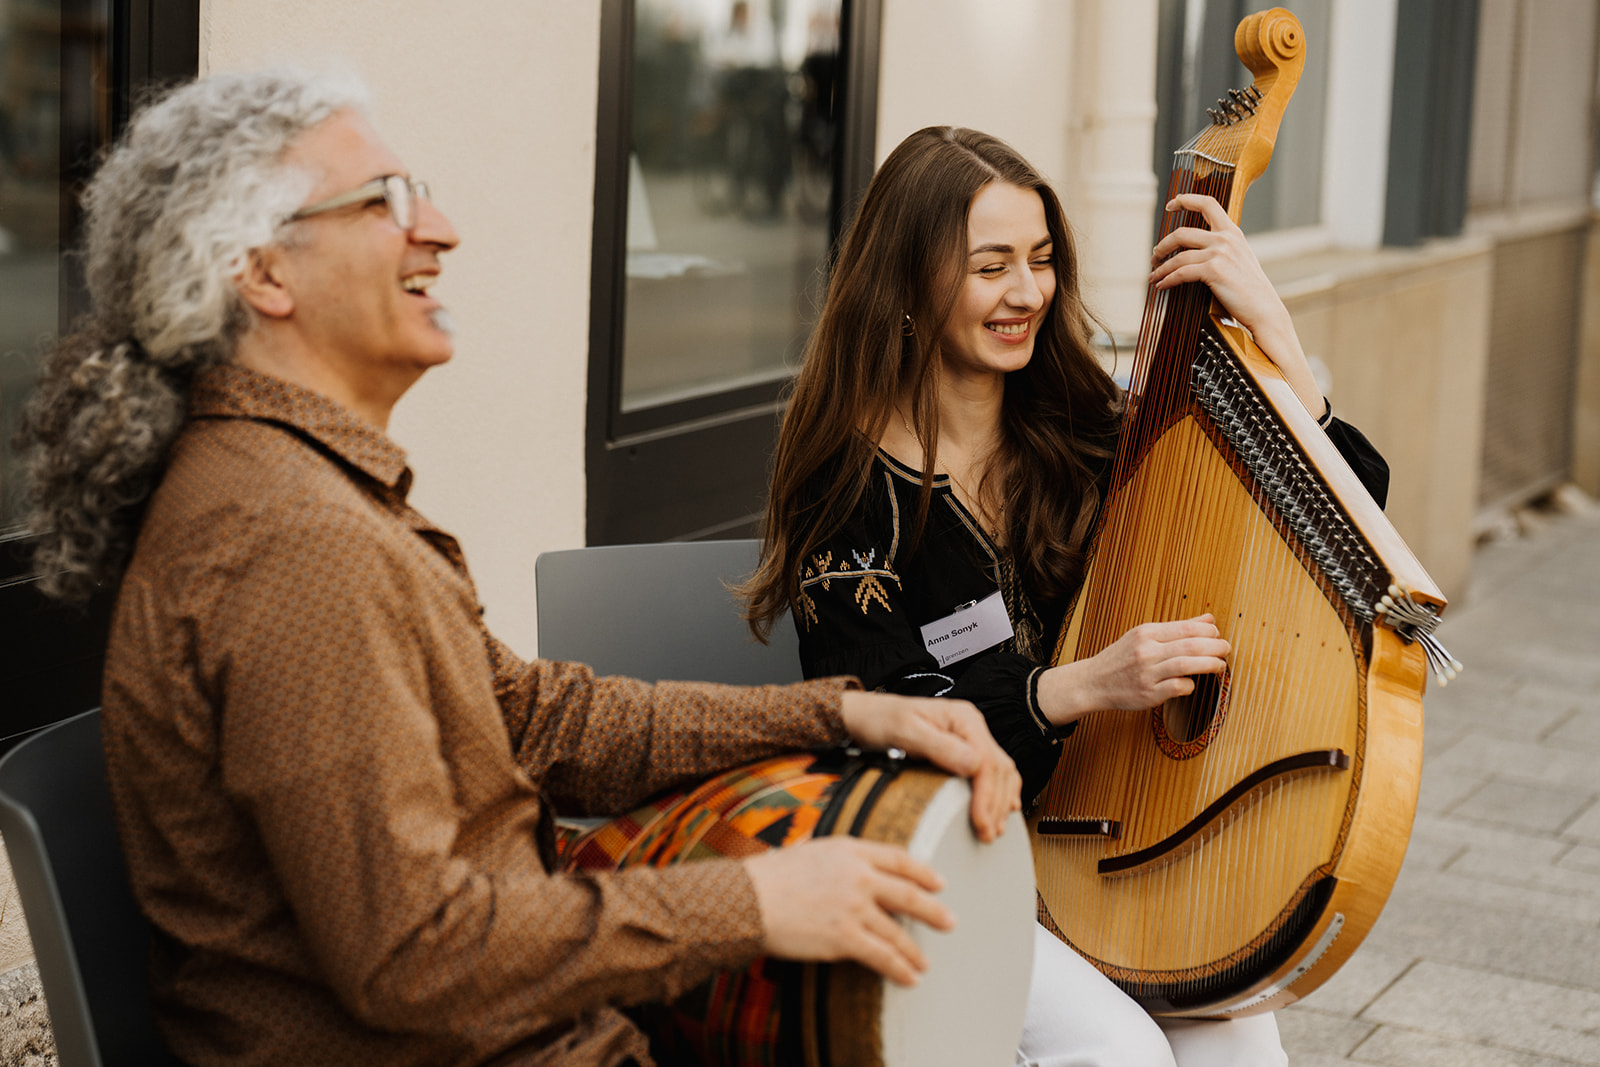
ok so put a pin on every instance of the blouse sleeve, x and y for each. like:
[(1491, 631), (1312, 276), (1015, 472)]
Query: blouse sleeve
[(1364, 460), (855, 617)]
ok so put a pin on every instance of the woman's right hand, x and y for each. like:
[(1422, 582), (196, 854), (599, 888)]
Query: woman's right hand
[(1144, 668)]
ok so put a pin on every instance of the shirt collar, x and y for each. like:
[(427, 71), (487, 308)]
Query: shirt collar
[(232, 391)]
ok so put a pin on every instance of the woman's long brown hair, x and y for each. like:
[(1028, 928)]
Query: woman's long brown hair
[(904, 258)]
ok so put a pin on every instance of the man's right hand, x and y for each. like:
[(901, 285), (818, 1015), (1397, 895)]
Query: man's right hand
[(836, 898)]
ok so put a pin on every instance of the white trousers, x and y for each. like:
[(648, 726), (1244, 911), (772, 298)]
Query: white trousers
[(1078, 1018)]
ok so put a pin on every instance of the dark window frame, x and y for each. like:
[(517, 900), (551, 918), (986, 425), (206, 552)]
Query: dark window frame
[(636, 458), (51, 655)]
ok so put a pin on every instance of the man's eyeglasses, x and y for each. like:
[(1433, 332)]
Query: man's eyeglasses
[(397, 190)]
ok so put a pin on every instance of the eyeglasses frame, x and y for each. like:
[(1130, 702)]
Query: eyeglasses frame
[(386, 187)]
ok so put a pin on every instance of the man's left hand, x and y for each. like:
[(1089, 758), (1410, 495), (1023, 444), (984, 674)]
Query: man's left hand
[(949, 733)]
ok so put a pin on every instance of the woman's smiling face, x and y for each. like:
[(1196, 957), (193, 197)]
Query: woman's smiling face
[(1010, 281)]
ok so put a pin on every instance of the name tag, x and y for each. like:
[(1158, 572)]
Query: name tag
[(968, 630)]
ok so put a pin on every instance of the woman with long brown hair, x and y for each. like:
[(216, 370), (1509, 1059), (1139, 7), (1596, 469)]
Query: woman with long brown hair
[(939, 470)]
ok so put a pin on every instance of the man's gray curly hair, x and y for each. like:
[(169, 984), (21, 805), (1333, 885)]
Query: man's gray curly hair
[(195, 184)]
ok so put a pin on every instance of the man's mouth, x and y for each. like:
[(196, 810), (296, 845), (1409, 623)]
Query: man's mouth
[(418, 283)]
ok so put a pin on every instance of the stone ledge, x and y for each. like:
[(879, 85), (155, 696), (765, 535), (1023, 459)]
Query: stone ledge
[(25, 1036)]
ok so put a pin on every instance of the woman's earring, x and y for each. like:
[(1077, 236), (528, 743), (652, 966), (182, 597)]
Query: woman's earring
[(907, 327)]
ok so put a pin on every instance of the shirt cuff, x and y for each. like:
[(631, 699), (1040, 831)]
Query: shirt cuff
[(1055, 733)]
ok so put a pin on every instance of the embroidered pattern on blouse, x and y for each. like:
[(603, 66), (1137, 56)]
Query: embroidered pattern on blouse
[(863, 568)]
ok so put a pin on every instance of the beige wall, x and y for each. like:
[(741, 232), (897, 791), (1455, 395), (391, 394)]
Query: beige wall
[(1586, 429), (954, 63), (493, 102), (1405, 336), (1060, 84)]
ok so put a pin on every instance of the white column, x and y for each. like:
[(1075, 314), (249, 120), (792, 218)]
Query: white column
[(1112, 202)]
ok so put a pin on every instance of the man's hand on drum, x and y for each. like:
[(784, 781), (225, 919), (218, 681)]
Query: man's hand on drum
[(951, 734), (1222, 258), (836, 898), (1144, 668)]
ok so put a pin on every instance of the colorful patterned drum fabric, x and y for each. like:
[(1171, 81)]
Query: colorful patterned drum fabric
[(966, 1010)]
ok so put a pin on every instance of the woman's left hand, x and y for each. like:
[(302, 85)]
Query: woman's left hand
[(949, 733), (1222, 259)]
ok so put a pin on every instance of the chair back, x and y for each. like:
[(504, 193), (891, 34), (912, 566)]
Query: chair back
[(659, 611), (89, 937)]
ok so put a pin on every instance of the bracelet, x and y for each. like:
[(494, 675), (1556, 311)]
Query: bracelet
[(1327, 413), (1055, 733)]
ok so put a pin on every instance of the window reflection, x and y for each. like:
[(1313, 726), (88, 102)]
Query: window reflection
[(729, 187), (53, 99)]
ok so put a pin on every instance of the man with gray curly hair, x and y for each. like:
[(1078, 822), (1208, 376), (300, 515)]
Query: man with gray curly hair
[(335, 788)]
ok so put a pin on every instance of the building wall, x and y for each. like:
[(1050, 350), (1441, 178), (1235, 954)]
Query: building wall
[(493, 102), (497, 437), (1404, 335), (1586, 428)]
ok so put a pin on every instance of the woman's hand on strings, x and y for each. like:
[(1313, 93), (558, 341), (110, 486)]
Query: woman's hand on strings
[(949, 733), (836, 898), (1144, 668), (1221, 258)]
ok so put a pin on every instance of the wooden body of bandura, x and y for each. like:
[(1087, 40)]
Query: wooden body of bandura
[(1225, 853)]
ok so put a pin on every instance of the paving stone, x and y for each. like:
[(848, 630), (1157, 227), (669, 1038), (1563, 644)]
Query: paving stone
[(1586, 827), (1537, 864), (1515, 846), (1448, 928), (1306, 1032), (1559, 895), (1494, 1009), (1443, 789), (1403, 1047), (1581, 729), (1520, 761), (1366, 974), (1527, 807), (1524, 711), (1437, 739), (1430, 853)]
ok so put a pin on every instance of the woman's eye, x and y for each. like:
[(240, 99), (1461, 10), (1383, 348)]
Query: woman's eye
[(992, 270)]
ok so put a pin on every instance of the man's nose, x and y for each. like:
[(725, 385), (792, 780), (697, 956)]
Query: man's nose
[(433, 227)]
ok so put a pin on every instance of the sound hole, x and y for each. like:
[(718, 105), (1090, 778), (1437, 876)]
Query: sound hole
[(1184, 725)]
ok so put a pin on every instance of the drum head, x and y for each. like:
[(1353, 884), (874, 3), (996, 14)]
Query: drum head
[(969, 1005)]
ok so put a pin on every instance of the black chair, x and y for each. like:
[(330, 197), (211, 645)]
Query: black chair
[(89, 937), (659, 611)]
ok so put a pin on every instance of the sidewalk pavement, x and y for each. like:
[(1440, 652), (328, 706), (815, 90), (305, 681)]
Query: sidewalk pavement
[(1488, 952)]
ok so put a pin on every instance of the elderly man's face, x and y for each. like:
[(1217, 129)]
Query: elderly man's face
[(358, 281)]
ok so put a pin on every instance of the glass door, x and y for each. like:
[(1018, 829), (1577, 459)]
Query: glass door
[(731, 135), (67, 70)]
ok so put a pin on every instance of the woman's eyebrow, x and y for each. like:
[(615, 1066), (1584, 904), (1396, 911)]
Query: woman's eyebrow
[(1006, 249)]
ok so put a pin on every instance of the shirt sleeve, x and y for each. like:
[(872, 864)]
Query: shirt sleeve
[(1365, 460), (336, 747), (601, 744), (855, 617)]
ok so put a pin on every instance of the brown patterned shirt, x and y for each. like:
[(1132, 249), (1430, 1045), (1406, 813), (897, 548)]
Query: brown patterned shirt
[(331, 781)]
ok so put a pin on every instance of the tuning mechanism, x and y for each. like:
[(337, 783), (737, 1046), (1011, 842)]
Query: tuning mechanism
[(1415, 621)]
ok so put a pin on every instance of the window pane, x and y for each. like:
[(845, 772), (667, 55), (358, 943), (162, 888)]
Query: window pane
[(1197, 66), (52, 93), (729, 186)]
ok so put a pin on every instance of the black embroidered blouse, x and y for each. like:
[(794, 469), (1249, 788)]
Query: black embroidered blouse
[(864, 597)]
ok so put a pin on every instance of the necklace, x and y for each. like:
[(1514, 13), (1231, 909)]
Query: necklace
[(977, 507)]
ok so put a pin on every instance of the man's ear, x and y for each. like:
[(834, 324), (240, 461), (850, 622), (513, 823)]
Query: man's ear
[(261, 284)]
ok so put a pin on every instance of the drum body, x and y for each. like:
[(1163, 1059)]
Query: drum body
[(968, 1007)]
